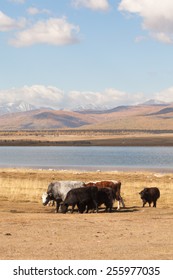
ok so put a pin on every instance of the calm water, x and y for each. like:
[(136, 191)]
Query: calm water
[(88, 158)]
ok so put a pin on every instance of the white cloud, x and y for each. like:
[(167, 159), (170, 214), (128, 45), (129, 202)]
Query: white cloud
[(122, 98), (8, 23), (157, 16), (37, 95), (92, 4), (54, 31), (140, 38), (162, 37), (49, 96), (108, 98), (83, 98), (35, 11), (17, 1), (165, 95)]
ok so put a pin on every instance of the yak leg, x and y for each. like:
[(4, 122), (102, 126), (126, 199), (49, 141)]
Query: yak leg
[(57, 207), (144, 202), (122, 202), (154, 204), (96, 206), (118, 208), (72, 209)]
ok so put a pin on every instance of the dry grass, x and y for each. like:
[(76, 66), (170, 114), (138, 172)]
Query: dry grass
[(21, 190), (30, 231), (28, 185), (107, 137)]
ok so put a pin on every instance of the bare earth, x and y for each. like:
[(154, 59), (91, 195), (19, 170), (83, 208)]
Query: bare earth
[(31, 231)]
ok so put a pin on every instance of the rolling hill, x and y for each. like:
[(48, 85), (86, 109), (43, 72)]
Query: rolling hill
[(141, 117)]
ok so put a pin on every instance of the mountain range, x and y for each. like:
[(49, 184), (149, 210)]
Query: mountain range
[(19, 106), (151, 115)]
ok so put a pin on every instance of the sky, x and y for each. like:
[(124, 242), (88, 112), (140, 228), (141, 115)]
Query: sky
[(70, 53)]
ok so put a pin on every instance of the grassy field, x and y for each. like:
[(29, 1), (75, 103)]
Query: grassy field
[(30, 230), (87, 138), (28, 184)]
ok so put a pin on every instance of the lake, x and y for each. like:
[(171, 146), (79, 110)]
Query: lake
[(88, 158)]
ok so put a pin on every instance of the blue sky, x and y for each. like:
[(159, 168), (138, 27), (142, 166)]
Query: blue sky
[(71, 53)]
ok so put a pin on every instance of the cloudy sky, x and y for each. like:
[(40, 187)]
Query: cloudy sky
[(81, 52)]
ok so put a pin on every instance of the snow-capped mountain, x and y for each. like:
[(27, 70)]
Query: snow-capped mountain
[(19, 106), (154, 102), (90, 107)]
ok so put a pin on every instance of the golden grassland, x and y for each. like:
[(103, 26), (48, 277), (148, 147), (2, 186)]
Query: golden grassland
[(31, 231), (27, 185), (87, 138)]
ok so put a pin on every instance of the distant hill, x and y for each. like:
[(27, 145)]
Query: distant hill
[(105, 111), (143, 116), (42, 119), (140, 117), (164, 111)]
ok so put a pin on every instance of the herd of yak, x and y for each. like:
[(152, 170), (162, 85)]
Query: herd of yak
[(90, 196)]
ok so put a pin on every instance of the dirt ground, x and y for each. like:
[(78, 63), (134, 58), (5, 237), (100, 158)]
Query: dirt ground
[(32, 231)]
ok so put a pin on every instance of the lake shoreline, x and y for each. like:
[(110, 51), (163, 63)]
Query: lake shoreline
[(148, 141), (88, 158)]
